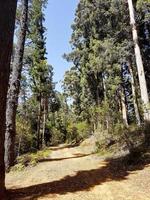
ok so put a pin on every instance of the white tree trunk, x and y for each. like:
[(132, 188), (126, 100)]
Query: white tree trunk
[(136, 109), (139, 63), (124, 109)]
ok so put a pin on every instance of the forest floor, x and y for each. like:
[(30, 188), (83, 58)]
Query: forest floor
[(76, 173)]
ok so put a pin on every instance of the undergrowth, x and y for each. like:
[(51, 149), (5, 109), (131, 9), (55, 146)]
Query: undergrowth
[(30, 159), (123, 139)]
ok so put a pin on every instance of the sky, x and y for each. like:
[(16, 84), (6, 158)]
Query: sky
[(59, 16)]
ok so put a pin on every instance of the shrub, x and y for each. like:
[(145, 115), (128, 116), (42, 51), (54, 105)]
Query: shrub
[(56, 136), (30, 159), (24, 138), (76, 132), (122, 138)]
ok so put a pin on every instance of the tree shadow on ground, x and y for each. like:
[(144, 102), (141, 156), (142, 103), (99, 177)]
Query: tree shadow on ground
[(116, 169), (56, 148), (78, 155)]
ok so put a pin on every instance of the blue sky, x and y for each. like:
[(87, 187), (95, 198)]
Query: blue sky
[(59, 17)]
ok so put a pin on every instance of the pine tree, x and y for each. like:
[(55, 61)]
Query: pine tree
[(41, 73)]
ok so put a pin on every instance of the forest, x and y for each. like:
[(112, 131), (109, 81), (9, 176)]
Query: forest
[(105, 94)]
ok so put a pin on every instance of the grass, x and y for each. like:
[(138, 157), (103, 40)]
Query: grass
[(30, 159)]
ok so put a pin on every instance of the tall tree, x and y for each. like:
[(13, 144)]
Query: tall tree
[(14, 88), (123, 108), (134, 95), (40, 71), (7, 23), (139, 64)]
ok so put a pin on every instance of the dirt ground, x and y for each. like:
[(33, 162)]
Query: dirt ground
[(76, 173)]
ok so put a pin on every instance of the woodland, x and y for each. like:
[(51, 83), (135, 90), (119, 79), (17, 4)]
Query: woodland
[(105, 93)]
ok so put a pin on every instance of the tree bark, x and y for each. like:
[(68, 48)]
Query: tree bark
[(133, 87), (139, 63), (14, 89), (19, 146), (45, 115), (124, 109), (7, 23), (104, 87), (44, 122), (39, 123)]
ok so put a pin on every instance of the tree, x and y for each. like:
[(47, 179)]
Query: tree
[(139, 64), (96, 52), (7, 23), (134, 96), (14, 89), (72, 88), (39, 64), (142, 8)]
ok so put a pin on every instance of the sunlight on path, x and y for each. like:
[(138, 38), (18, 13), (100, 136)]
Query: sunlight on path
[(78, 174)]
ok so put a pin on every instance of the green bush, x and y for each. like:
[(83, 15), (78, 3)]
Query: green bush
[(30, 159), (122, 138), (76, 132), (24, 137), (57, 136)]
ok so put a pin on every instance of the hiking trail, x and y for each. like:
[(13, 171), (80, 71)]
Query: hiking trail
[(76, 173)]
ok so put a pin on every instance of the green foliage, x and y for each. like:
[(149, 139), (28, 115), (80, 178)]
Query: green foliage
[(76, 132), (99, 82), (100, 43), (123, 138), (57, 136), (30, 159), (24, 137), (95, 87)]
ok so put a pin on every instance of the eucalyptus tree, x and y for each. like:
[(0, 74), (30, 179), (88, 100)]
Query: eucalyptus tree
[(139, 64), (98, 37), (14, 87), (142, 8), (102, 46), (7, 24)]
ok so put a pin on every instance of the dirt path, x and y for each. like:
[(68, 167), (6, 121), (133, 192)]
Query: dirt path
[(78, 174)]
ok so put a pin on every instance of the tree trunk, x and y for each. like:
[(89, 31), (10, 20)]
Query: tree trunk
[(139, 63), (124, 109), (19, 146), (45, 115), (104, 87), (44, 121), (136, 109), (39, 124), (105, 99), (13, 92), (7, 22)]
